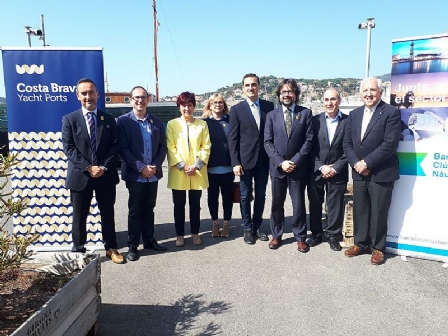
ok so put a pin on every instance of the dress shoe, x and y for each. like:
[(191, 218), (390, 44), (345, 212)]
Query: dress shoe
[(132, 254), (314, 240), (377, 257), (225, 232), (115, 256), (261, 235), (79, 250), (275, 243), (180, 241), (249, 237), (354, 251), (154, 245), (334, 244), (215, 229), (196, 239), (302, 247)]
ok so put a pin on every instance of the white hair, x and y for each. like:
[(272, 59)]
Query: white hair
[(379, 82)]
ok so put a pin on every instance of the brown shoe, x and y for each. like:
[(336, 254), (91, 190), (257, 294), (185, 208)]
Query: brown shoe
[(275, 243), (354, 251), (377, 257), (215, 229), (225, 232), (302, 247), (196, 239), (115, 256), (180, 241)]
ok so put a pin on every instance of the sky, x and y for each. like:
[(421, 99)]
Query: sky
[(204, 45)]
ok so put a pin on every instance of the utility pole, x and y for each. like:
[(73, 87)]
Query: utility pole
[(40, 32), (155, 49)]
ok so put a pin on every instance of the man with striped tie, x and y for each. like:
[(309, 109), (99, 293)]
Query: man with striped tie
[(90, 142)]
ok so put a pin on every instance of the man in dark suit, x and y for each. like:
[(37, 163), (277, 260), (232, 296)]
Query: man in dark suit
[(143, 150), (372, 134), (90, 142), (328, 172), (247, 155), (288, 137)]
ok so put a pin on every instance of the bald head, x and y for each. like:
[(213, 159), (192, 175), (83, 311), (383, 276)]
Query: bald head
[(332, 100)]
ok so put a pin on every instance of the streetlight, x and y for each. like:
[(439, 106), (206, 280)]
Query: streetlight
[(40, 32), (367, 25)]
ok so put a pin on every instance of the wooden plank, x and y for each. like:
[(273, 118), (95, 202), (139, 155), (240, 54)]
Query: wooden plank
[(84, 285)]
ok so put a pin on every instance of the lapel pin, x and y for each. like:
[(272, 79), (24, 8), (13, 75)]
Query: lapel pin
[(298, 117), (102, 117), (223, 125), (150, 120)]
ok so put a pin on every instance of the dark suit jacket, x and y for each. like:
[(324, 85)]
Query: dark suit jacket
[(246, 142), (131, 146), (76, 144), (279, 147), (324, 153), (379, 146)]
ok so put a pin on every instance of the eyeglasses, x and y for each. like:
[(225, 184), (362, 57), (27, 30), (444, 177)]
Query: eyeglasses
[(285, 93), (218, 103), (139, 97)]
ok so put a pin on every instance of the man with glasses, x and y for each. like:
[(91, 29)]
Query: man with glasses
[(143, 150), (288, 138), (328, 172), (247, 155), (90, 142)]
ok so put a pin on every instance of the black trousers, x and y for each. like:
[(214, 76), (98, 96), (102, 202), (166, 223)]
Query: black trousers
[(179, 200), (105, 193), (223, 182), (371, 203), (296, 188), (335, 206), (141, 203)]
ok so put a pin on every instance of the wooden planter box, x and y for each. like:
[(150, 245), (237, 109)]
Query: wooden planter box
[(73, 310)]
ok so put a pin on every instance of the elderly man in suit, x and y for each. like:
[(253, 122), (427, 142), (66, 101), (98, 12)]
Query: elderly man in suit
[(288, 137), (90, 142), (328, 172), (371, 140), (247, 155), (143, 150)]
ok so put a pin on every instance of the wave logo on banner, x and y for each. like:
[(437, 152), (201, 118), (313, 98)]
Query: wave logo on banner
[(37, 69)]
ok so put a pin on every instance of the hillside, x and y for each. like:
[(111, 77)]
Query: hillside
[(312, 89)]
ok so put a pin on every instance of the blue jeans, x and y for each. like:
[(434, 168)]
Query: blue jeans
[(259, 175)]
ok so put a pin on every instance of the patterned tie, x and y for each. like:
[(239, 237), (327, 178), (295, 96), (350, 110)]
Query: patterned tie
[(288, 121), (256, 114), (365, 121), (92, 128)]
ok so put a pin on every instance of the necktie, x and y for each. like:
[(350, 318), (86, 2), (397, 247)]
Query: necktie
[(256, 114), (92, 128), (288, 121), (365, 121)]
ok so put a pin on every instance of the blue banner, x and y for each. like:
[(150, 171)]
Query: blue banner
[(40, 88), (40, 85)]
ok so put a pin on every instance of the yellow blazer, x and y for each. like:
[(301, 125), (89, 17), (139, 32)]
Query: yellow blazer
[(187, 143)]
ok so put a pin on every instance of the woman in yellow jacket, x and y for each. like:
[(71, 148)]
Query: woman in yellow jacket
[(188, 143)]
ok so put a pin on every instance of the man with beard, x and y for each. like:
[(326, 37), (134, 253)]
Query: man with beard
[(288, 138)]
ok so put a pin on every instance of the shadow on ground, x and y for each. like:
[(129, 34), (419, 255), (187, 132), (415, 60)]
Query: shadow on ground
[(155, 320)]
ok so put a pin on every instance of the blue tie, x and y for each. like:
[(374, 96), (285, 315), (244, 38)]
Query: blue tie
[(91, 120)]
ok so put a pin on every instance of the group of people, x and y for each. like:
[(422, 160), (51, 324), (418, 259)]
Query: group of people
[(252, 141)]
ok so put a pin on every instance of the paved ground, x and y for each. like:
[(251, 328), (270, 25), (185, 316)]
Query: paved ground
[(226, 287)]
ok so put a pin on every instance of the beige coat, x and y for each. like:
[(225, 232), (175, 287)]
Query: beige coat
[(187, 143)]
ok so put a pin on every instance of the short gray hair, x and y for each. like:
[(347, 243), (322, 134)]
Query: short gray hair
[(379, 82)]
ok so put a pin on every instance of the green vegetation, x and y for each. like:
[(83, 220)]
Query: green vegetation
[(13, 248)]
